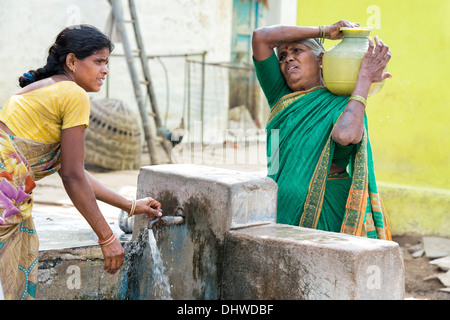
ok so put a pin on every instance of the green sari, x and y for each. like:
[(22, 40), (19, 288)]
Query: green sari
[(300, 150)]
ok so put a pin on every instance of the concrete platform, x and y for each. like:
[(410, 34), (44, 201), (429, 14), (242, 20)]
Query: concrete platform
[(231, 248), (66, 240), (310, 265)]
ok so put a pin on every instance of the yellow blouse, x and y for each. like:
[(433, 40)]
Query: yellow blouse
[(41, 114)]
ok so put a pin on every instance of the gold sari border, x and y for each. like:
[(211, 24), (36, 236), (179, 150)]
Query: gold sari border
[(287, 100)]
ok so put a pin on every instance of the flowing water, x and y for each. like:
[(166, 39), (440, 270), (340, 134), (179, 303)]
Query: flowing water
[(161, 285), (159, 281)]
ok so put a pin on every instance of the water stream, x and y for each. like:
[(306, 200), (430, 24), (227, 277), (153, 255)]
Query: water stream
[(158, 282), (161, 285)]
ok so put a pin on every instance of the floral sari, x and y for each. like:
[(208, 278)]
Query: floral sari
[(22, 162)]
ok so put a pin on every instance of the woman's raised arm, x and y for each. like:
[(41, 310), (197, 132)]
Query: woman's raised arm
[(350, 126), (265, 39)]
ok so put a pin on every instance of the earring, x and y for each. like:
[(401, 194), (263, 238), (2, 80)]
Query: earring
[(73, 70)]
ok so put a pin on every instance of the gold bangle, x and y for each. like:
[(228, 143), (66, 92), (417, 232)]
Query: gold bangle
[(360, 99), (322, 33), (107, 242), (133, 208)]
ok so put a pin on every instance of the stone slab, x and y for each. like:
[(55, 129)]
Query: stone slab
[(445, 278), (418, 253), (286, 262), (443, 263), (436, 247)]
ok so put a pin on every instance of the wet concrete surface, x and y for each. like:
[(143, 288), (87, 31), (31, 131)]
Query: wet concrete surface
[(59, 224)]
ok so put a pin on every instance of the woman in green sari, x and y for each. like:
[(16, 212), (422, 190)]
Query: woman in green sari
[(314, 136)]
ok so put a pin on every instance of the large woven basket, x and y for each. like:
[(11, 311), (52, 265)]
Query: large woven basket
[(113, 138)]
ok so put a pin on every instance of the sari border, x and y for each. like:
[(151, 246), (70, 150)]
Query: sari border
[(357, 221), (286, 100), (355, 213), (316, 190)]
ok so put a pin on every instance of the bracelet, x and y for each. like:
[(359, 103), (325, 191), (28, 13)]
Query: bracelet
[(360, 99), (133, 208), (322, 33), (107, 242)]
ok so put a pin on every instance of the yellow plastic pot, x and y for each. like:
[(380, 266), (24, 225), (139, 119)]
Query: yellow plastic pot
[(341, 63)]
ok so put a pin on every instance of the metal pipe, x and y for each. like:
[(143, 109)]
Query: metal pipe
[(166, 221), (176, 219)]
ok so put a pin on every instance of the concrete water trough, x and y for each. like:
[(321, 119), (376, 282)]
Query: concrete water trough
[(226, 245)]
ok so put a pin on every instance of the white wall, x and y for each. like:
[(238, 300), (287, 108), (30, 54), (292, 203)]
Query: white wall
[(180, 27), (29, 27)]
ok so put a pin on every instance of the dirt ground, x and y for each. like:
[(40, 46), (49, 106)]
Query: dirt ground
[(416, 270)]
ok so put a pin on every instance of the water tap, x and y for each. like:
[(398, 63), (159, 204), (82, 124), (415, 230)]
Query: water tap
[(168, 220)]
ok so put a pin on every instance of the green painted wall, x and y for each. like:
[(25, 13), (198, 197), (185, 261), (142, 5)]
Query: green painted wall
[(409, 118)]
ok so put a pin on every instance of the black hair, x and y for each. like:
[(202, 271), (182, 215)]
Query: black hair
[(81, 40)]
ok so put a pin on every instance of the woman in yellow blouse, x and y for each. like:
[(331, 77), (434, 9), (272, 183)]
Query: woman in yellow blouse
[(42, 130)]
